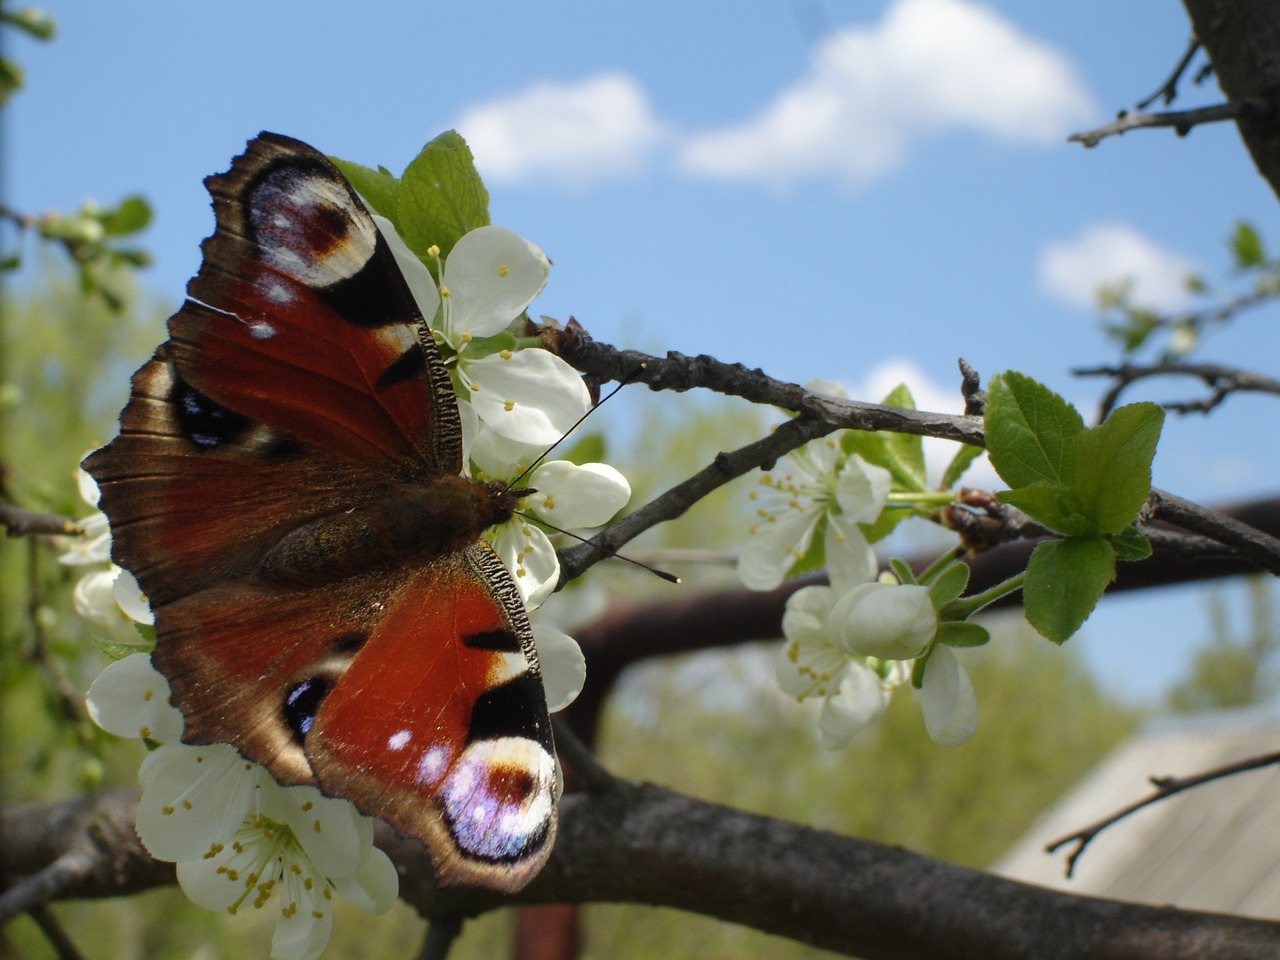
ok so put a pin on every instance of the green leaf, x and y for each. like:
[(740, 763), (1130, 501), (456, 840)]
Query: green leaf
[(964, 456), (1029, 429), (902, 571), (32, 21), (379, 188), (1064, 581), (904, 451), (1055, 505), (1131, 545), (961, 633), (133, 214), (949, 585), (1246, 246), (884, 524), (1113, 465), (441, 195)]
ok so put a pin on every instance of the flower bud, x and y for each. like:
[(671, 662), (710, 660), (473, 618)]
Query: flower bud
[(884, 620)]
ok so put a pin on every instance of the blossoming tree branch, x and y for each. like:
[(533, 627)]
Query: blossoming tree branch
[(831, 480)]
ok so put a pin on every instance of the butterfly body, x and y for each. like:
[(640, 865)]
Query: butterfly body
[(287, 488)]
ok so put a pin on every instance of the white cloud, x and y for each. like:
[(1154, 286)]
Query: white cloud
[(1111, 253), (929, 66), (580, 132)]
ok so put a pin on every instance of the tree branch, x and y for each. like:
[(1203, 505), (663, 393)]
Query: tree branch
[(25, 523), (1181, 120), (1168, 91), (1221, 379), (679, 372), (1248, 542), (645, 844), (1165, 787)]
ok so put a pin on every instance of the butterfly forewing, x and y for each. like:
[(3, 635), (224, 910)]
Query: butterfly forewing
[(298, 418)]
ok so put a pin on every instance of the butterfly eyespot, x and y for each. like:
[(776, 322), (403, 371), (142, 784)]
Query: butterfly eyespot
[(205, 422), (301, 703), (498, 800)]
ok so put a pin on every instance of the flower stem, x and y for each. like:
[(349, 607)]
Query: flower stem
[(965, 607), (931, 572), (936, 498)]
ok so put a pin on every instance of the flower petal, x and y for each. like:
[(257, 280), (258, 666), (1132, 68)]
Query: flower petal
[(491, 274), (421, 284), (774, 547), (94, 599), (87, 486), (302, 935), (564, 668), (130, 598), (530, 557), (498, 456), (327, 829), (93, 546), (528, 395), (850, 559), (130, 698), (859, 701), (374, 886), (862, 489), (571, 496), (947, 699), (194, 797)]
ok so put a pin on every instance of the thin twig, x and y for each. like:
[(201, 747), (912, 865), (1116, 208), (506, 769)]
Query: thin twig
[(575, 754), (52, 929), (1169, 89), (1164, 787), (25, 523), (1222, 380), (1181, 120), (574, 561), (70, 698)]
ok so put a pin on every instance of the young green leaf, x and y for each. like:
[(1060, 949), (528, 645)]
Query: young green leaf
[(964, 456), (379, 188), (1131, 545), (904, 451), (133, 214), (441, 195), (962, 633), (1113, 465), (1246, 246), (1055, 505), (1029, 429), (902, 571), (1064, 581), (949, 585)]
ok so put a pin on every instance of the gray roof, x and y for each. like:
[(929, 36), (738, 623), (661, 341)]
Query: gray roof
[(1215, 847)]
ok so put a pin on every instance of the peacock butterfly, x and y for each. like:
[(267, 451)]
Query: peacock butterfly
[(287, 487)]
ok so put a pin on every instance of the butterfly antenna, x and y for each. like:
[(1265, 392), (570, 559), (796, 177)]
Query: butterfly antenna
[(630, 377), (661, 574)]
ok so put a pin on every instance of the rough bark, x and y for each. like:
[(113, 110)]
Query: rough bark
[(1242, 40)]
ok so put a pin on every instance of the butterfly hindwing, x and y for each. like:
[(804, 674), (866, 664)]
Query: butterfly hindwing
[(286, 489)]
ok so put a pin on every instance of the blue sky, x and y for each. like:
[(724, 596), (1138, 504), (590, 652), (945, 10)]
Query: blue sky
[(839, 189)]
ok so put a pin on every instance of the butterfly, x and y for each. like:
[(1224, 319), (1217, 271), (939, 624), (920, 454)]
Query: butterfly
[(287, 487)]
